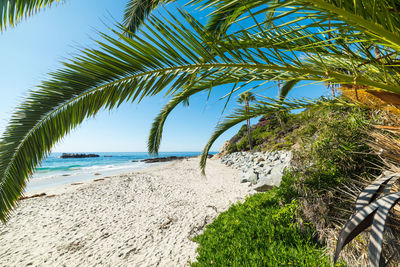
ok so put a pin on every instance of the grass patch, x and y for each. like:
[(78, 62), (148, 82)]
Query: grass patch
[(259, 232)]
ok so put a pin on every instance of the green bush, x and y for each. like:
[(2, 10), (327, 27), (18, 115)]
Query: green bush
[(334, 141), (243, 144), (259, 232)]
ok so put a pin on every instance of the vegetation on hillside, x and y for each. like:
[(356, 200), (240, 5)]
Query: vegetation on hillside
[(332, 163)]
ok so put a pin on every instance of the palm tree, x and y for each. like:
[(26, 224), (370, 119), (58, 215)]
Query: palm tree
[(299, 40), (245, 98)]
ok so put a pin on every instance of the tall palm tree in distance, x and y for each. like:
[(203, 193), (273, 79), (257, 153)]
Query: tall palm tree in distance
[(246, 98)]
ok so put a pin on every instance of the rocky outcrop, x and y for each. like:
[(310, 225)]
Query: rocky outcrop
[(261, 170), (74, 155), (223, 151)]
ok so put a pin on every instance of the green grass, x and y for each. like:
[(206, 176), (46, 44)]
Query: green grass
[(259, 232)]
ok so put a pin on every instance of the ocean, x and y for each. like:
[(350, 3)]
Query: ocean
[(55, 171)]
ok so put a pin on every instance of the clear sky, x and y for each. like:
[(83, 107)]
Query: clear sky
[(36, 46)]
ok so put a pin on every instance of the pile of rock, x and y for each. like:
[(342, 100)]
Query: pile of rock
[(261, 170)]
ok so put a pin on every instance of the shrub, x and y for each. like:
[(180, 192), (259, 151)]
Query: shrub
[(243, 144)]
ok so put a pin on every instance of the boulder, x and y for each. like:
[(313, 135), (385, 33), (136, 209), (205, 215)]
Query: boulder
[(250, 176), (243, 180), (262, 187), (267, 181), (266, 170)]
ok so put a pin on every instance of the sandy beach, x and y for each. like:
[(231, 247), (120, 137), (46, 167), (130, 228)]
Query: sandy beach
[(144, 218)]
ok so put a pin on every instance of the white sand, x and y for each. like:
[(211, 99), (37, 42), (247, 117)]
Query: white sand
[(145, 218)]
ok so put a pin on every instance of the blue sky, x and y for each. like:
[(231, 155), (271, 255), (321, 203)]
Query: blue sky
[(36, 47)]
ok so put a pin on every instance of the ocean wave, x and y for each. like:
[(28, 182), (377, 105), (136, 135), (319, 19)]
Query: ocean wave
[(51, 173)]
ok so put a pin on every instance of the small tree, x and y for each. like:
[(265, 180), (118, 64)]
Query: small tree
[(246, 98)]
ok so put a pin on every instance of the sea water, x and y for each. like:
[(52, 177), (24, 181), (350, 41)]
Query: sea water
[(55, 171)]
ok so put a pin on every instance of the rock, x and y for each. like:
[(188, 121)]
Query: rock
[(250, 176), (223, 151), (267, 182), (262, 187), (275, 178), (243, 180), (74, 155), (266, 170)]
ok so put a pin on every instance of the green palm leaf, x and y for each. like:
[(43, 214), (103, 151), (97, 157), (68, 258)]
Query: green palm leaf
[(13, 11), (137, 11), (286, 88)]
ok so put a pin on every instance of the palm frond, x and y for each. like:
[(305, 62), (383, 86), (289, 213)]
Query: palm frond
[(136, 11), (381, 185), (286, 88), (13, 11), (374, 214), (154, 140), (377, 18)]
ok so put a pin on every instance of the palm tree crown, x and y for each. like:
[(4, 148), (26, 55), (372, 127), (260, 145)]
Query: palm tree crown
[(246, 98)]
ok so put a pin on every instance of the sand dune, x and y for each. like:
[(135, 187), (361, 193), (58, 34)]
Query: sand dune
[(144, 218)]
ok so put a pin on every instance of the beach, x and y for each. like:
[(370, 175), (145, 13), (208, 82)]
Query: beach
[(142, 218)]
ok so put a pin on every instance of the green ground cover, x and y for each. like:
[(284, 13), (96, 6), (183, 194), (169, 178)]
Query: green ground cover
[(259, 232)]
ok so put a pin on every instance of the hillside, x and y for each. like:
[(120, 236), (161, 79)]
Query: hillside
[(332, 162)]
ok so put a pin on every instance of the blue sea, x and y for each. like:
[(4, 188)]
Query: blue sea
[(56, 171)]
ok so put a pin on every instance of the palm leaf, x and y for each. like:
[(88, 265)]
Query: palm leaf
[(13, 11), (156, 131), (374, 214), (381, 185), (286, 88), (137, 11)]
